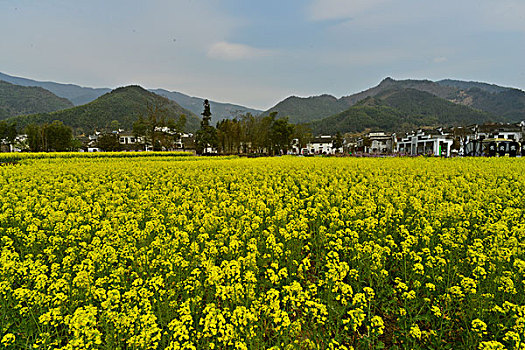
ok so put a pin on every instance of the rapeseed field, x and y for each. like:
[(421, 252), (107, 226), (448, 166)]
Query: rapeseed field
[(280, 253)]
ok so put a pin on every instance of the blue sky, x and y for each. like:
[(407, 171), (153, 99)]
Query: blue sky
[(256, 53)]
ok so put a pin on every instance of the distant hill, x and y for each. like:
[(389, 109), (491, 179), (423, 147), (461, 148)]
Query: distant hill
[(307, 109), (446, 102), (16, 100), (505, 103), (123, 104), (387, 84), (219, 110), (78, 95), (400, 110), (502, 101)]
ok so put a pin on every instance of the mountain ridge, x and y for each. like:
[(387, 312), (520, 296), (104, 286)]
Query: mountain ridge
[(123, 104), (80, 95), (17, 100), (505, 103)]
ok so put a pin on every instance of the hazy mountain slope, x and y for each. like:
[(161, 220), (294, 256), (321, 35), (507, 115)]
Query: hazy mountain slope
[(400, 110), (16, 100), (415, 102), (78, 95), (442, 91), (219, 110), (465, 85), (124, 104), (505, 102), (304, 110)]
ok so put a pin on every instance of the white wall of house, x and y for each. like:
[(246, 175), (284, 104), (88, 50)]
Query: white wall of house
[(127, 139), (421, 144)]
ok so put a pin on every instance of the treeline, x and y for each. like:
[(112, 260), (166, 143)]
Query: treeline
[(258, 134), (53, 137), (45, 137)]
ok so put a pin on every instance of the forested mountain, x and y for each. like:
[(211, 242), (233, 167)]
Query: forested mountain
[(500, 103), (78, 95), (400, 110), (16, 100), (123, 105), (219, 110), (307, 109), (507, 104)]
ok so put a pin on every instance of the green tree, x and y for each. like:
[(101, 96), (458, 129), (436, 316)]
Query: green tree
[(8, 132), (59, 136), (49, 137), (303, 134), (281, 135), (229, 136), (338, 141), (109, 142), (114, 125), (206, 136)]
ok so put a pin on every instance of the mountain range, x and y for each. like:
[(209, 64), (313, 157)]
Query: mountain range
[(79, 95), (123, 105), (392, 105), (504, 104)]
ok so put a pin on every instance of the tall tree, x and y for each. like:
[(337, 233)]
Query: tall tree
[(281, 135), (206, 136)]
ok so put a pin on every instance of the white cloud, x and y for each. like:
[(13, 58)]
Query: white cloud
[(233, 52), (320, 10), (440, 59)]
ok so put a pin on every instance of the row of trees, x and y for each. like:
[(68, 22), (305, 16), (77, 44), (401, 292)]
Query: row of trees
[(40, 138), (257, 134), (49, 137)]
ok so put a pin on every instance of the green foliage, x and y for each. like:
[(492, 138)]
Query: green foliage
[(206, 137), (8, 131), (229, 134), (109, 142), (303, 134), (17, 100), (123, 105), (55, 137), (338, 141), (281, 135)]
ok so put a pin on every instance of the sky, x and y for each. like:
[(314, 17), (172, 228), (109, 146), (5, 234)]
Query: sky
[(257, 53)]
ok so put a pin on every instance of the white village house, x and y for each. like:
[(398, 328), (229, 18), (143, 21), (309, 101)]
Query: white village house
[(426, 142), (318, 145), (377, 143)]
